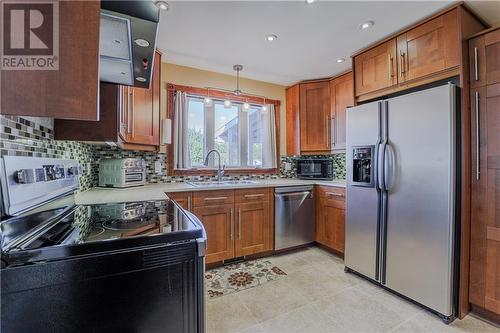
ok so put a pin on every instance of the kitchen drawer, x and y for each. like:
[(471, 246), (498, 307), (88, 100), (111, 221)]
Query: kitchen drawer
[(332, 195), (211, 198), (252, 195)]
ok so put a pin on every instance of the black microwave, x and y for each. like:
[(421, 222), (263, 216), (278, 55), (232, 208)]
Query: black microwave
[(315, 168)]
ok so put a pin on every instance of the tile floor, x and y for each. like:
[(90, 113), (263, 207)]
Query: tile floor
[(317, 296)]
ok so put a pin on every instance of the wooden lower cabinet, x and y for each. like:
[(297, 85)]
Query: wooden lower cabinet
[(182, 198), (237, 222), (253, 228), (219, 226), (330, 217)]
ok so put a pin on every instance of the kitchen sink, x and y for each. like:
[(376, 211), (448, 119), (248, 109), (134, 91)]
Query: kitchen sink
[(221, 183)]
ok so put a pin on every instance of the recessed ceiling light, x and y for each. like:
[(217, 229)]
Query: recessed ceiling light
[(141, 42), (162, 5), (366, 25), (310, 1), (271, 38), (340, 60)]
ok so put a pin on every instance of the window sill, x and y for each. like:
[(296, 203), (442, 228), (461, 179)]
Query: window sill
[(229, 171)]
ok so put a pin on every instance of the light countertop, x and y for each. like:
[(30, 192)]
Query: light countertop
[(97, 195)]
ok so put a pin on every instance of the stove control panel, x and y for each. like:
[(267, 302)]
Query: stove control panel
[(29, 181)]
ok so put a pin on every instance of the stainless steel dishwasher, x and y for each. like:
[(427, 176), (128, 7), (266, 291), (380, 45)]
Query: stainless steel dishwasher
[(294, 216)]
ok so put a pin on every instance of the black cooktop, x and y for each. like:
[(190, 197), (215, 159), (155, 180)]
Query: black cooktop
[(83, 229)]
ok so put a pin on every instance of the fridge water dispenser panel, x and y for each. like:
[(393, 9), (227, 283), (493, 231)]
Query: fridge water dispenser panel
[(363, 166)]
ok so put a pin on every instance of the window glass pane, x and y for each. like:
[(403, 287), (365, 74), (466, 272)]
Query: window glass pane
[(227, 140), (196, 120)]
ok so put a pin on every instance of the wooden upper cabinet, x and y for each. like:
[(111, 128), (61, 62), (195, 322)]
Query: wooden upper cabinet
[(292, 120), (375, 69), (140, 111), (484, 55), (315, 116), (341, 97), (429, 48), (71, 92), (130, 116)]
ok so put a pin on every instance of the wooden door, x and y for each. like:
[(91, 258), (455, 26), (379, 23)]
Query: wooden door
[(253, 228), (429, 48), (70, 92), (219, 226), (182, 198), (315, 116), (375, 69), (492, 55), (341, 93), (143, 113)]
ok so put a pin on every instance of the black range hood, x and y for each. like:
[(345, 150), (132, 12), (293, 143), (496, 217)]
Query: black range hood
[(127, 42)]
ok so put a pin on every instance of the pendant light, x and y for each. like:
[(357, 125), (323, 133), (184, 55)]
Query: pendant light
[(264, 108), (246, 106), (208, 101)]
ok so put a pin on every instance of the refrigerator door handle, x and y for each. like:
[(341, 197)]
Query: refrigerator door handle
[(389, 167)]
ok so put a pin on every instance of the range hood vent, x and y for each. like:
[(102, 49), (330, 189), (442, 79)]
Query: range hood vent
[(127, 42)]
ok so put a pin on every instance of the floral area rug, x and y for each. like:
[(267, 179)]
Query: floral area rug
[(236, 277)]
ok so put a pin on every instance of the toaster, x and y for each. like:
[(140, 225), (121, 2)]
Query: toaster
[(122, 172)]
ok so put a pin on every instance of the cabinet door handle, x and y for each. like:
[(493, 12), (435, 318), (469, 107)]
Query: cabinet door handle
[(215, 198), (189, 202), (335, 194), (402, 63), (133, 112), (477, 136), (390, 67), (239, 223), (231, 222), (129, 108), (249, 196), (476, 65), (332, 131)]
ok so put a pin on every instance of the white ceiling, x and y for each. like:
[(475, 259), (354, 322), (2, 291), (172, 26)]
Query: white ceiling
[(216, 35)]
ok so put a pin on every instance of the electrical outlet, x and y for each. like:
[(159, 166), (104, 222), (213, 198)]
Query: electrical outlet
[(158, 167)]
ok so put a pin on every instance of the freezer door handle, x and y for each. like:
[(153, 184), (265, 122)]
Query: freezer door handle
[(389, 167)]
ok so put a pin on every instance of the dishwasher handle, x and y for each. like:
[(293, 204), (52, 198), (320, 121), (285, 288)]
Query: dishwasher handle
[(294, 194)]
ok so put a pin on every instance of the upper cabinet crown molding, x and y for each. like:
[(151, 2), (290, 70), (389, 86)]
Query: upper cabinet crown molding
[(70, 92)]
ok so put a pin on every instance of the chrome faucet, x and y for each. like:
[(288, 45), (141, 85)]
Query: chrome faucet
[(220, 170)]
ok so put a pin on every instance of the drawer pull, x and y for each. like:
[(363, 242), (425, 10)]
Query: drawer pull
[(254, 195), (335, 194), (215, 198)]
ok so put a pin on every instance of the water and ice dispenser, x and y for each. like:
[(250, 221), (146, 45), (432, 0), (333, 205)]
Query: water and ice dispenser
[(363, 166)]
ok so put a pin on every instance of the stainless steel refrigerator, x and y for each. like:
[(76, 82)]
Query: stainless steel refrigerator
[(400, 216)]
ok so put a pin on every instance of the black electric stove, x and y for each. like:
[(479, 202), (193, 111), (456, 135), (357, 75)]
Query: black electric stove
[(68, 230)]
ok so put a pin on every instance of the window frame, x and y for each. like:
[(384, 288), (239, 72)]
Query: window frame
[(220, 95)]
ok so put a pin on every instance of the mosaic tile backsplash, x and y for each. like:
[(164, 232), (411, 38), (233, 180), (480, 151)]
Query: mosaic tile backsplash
[(34, 137)]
